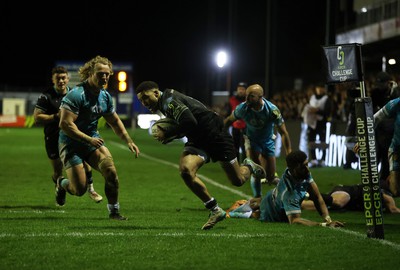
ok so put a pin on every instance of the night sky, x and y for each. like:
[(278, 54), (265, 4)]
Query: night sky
[(171, 42)]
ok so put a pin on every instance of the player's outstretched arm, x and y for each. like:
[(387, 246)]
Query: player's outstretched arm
[(296, 219), (119, 129)]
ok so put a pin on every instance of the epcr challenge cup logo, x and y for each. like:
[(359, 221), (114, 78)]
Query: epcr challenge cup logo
[(340, 55)]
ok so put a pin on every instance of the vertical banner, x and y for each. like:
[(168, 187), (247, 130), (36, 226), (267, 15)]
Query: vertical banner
[(369, 167), (343, 63)]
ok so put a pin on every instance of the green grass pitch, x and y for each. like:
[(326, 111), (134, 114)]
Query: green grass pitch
[(163, 230)]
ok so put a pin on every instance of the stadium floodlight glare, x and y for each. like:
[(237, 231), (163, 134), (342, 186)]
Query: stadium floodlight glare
[(122, 85), (221, 59), (122, 76)]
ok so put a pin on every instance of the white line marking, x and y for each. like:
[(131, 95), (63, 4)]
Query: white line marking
[(140, 234), (381, 241), (203, 177), (36, 211), (178, 235), (208, 180)]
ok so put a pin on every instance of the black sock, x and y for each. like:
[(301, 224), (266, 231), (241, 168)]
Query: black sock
[(89, 177), (211, 204), (250, 168)]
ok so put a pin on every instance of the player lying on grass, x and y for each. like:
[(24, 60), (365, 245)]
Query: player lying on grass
[(283, 203), (350, 197), (341, 197)]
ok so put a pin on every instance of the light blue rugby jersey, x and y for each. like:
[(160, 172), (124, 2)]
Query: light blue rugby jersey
[(392, 110), (259, 124), (88, 107), (284, 199)]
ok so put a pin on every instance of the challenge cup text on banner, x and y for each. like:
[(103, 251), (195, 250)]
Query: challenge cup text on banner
[(343, 63), (369, 167)]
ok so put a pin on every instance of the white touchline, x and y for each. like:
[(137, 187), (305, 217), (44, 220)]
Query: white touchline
[(203, 177), (208, 180), (179, 234)]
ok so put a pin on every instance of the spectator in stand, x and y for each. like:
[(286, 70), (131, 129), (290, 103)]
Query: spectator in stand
[(238, 127), (316, 114), (352, 93)]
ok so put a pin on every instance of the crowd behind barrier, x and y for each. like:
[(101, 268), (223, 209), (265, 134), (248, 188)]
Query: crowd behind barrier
[(292, 102)]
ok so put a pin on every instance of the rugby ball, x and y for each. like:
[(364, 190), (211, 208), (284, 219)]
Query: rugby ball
[(169, 126)]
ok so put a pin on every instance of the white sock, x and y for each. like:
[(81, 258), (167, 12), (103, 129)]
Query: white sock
[(64, 182), (255, 186), (113, 208), (243, 211), (90, 187)]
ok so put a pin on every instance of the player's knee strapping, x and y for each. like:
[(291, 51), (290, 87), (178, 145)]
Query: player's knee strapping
[(106, 164), (107, 168)]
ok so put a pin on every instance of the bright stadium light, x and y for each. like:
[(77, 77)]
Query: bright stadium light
[(122, 85), (221, 59)]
